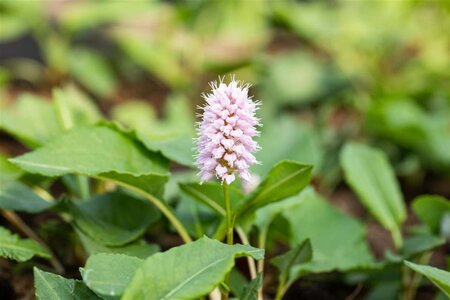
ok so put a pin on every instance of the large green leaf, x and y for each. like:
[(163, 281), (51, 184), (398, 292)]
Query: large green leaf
[(30, 119), (139, 248), (54, 287), (439, 277), (368, 172), (186, 272), (113, 219), (100, 151), (300, 254), (328, 229), (109, 274), (431, 209), (19, 197), (211, 194), (285, 179), (12, 247)]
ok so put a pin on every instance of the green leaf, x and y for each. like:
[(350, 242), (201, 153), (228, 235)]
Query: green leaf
[(211, 194), (100, 151), (285, 179), (8, 170), (113, 219), (54, 287), (19, 197), (171, 135), (439, 277), (109, 274), (250, 292), (200, 267), (328, 229), (300, 254), (13, 247), (32, 120), (407, 124), (139, 248), (431, 209), (368, 172), (93, 71), (418, 244)]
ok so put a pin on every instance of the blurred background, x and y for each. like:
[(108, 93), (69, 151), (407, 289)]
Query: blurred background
[(326, 72)]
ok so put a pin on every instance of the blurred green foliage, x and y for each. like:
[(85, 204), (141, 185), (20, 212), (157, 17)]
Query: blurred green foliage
[(326, 72)]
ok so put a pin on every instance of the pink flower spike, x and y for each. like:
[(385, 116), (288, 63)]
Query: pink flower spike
[(225, 134)]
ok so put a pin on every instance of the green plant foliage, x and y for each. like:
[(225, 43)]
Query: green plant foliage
[(328, 229), (54, 287), (93, 71), (211, 195), (32, 120), (99, 151), (439, 277), (8, 170), (368, 172), (140, 248), (298, 142), (285, 179), (19, 197), (200, 266), (431, 210), (109, 279), (79, 109), (250, 291), (407, 124), (13, 247), (172, 136), (419, 244), (285, 72), (113, 219), (300, 254)]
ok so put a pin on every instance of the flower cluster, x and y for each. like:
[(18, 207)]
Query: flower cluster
[(225, 134)]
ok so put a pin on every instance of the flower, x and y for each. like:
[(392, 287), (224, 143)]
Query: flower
[(225, 135)]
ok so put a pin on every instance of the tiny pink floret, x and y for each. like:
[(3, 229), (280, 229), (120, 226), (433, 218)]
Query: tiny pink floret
[(225, 144)]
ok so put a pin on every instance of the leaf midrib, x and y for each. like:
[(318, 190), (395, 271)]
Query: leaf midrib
[(192, 277), (39, 273), (285, 179)]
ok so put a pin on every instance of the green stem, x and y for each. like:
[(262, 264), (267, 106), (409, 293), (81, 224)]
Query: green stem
[(397, 238), (410, 287), (250, 261), (164, 210), (280, 289), (262, 236), (83, 186), (229, 219), (226, 196)]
